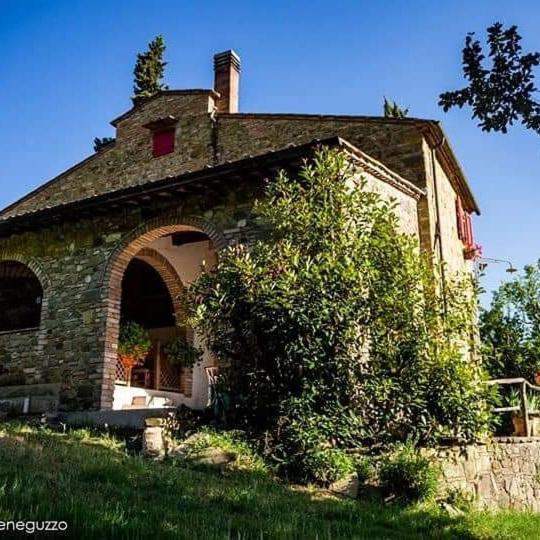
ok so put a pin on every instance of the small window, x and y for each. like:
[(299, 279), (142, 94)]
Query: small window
[(21, 296), (163, 142)]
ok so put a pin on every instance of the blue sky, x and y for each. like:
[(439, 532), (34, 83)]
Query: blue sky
[(67, 71)]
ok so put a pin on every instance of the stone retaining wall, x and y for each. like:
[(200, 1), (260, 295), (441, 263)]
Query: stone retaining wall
[(500, 474)]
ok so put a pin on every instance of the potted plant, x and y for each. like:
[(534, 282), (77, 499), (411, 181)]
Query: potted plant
[(133, 347), (533, 406), (534, 414), (182, 353)]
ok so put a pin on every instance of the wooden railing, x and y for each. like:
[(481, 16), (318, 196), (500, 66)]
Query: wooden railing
[(524, 384)]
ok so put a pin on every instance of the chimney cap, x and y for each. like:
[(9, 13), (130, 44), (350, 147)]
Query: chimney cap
[(225, 58)]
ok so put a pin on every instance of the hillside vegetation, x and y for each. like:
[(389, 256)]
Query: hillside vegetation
[(102, 491)]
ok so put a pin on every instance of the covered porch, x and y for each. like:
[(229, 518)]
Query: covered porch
[(154, 286)]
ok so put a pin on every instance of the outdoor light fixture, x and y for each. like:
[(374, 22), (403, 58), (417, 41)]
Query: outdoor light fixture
[(484, 262)]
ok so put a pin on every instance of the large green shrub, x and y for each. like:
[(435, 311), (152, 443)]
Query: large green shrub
[(334, 325), (408, 476)]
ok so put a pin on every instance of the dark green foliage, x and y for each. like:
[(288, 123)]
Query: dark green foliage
[(102, 142), (305, 443), (330, 329), (364, 470), (393, 110), (180, 352), (460, 499), (503, 92), (133, 341), (408, 476), (322, 466), (149, 70), (510, 328)]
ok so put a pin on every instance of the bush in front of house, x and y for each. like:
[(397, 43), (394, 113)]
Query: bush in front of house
[(322, 466), (407, 475), (334, 326)]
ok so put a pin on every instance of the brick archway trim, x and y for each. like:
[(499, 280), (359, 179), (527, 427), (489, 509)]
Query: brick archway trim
[(40, 273), (111, 280), (33, 264)]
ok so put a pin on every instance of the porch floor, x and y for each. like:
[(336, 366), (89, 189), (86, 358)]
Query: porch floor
[(134, 397)]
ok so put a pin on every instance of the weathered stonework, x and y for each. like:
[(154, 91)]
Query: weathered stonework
[(79, 257), (502, 474)]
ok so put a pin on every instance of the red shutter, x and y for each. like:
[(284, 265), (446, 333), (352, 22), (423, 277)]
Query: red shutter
[(163, 142), (460, 219), (469, 238), (464, 225)]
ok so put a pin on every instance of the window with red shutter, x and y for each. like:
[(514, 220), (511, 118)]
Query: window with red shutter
[(163, 142), (460, 214), (465, 232), (469, 239)]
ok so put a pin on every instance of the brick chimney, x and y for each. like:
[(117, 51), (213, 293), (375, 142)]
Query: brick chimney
[(227, 80)]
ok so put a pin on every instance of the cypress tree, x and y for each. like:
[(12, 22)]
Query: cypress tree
[(393, 110), (102, 142), (148, 72)]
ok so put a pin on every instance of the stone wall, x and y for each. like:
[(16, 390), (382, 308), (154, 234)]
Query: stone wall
[(68, 347), (441, 198), (502, 474), (396, 145)]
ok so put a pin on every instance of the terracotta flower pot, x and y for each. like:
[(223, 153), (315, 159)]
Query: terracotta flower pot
[(519, 426), (129, 361), (537, 378)]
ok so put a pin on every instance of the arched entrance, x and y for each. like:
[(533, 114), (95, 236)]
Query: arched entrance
[(146, 300), (145, 282)]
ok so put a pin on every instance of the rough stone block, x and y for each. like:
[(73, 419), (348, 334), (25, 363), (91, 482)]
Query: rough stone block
[(346, 487), (153, 443)]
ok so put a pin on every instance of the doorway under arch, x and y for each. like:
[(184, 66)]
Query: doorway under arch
[(146, 284)]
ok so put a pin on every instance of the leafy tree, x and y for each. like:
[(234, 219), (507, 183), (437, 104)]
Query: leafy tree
[(329, 329), (101, 142), (502, 92), (510, 328), (393, 110), (149, 70)]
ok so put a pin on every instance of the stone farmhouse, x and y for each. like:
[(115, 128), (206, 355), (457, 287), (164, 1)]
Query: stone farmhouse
[(121, 234)]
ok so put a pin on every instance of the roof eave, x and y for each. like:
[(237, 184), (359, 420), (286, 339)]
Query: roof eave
[(438, 141)]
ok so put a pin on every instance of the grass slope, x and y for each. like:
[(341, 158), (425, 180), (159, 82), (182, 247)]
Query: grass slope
[(102, 492)]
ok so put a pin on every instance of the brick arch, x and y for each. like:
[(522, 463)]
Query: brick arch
[(111, 281), (168, 274), (33, 264), (38, 270)]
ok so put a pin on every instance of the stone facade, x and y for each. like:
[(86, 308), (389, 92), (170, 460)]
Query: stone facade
[(79, 257), (502, 474), (77, 260)]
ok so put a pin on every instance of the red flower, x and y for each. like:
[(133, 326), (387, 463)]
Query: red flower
[(472, 252)]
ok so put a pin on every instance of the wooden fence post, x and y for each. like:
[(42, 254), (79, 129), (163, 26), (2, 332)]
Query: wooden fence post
[(525, 409)]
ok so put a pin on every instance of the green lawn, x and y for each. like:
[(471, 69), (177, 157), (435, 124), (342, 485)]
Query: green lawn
[(102, 492)]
